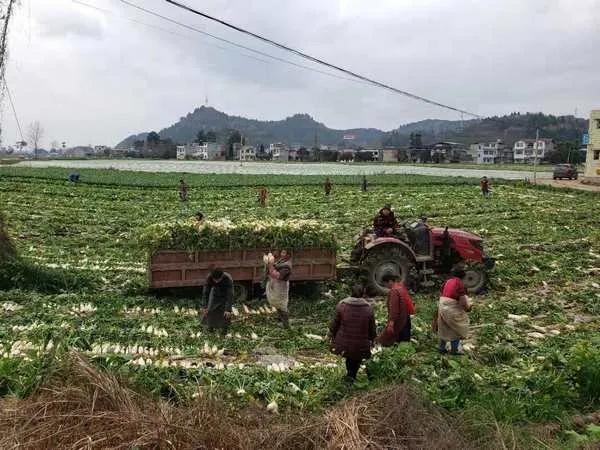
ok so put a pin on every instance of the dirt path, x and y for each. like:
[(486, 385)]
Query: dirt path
[(573, 184)]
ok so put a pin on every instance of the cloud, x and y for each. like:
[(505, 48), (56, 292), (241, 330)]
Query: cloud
[(91, 77), (55, 21)]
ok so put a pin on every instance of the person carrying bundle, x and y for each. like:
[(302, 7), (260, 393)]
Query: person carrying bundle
[(452, 319), (278, 274)]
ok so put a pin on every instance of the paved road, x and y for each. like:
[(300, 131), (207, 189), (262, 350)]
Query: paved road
[(280, 168)]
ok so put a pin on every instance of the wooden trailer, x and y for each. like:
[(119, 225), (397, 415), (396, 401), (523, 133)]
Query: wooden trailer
[(176, 268)]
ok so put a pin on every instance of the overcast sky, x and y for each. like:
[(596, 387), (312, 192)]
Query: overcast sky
[(92, 77)]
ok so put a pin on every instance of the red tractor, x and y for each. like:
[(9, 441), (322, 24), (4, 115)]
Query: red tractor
[(417, 251)]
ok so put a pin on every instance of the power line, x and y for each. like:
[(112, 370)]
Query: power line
[(14, 111), (317, 60), (235, 44)]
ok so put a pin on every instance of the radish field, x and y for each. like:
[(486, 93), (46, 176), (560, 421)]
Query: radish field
[(80, 285)]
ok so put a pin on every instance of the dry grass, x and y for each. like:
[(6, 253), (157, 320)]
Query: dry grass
[(86, 408)]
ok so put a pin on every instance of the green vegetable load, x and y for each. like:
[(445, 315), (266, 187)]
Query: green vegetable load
[(226, 235)]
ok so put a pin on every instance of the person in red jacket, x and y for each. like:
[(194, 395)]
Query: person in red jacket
[(353, 330), (400, 308)]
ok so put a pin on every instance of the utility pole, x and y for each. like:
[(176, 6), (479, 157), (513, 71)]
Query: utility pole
[(535, 154)]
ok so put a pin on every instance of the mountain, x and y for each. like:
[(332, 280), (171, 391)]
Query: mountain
[(299, 128), (303, 129), (509, 129)]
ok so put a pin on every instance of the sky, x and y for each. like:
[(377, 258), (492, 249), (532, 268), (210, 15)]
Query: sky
[(95, 77)]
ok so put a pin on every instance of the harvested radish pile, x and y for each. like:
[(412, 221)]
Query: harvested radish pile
[(226, 234)]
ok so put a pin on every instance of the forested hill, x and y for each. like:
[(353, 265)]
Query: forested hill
[(303, 129)]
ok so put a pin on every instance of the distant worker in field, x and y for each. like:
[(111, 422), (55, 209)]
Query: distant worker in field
[(484, 184), (183, 191), (199, 218), (453, 306), (327, 187), (353, 330), (218, 299), (400, 307), (364, 185), (74, 177), (277, 289), (385, 223), (263, 195)]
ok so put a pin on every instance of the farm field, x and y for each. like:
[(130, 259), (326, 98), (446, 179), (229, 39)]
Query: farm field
[(517, 172), (532, 358)]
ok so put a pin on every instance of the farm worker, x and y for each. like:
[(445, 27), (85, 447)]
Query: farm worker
[(183, 191), (263, 194), (400, 307), (278, 285), (364, 184), (327, 187), (385, 223), (484, 184), (199, 218), (218, 298), (353, 330), (74, 177), (453, 321)]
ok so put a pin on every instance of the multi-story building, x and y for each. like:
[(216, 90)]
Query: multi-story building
[(494, 153), (449, 152), (279, 151), (527, 150), (206, 151), (246, 153), (592, 161)]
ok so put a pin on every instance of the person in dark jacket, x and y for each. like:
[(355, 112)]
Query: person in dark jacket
[(400, 307), (353, 330), (218, 299), (327, 187), (364, 184), (385, 223)]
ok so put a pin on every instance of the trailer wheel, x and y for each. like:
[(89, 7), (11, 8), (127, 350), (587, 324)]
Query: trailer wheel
[(241, 291)]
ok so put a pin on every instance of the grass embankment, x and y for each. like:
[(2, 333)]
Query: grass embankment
[(532, 357)]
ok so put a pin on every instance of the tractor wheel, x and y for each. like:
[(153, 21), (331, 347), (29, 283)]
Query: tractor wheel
[(386, 260), (241, 291), (475, 279)]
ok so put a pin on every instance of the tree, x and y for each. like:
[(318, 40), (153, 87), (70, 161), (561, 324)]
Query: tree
[(211, 136), (54, 145), (234, 137), (415, 140), (302, 154), (153, 138), (35, 135), (565, 152), (200, 137)]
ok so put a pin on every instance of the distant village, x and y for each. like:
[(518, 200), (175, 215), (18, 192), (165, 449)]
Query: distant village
[(498, 152)]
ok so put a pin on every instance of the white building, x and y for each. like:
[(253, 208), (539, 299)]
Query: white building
[(205, 152), (493, 153), (527, 150), (279, 151), (592, 162), (246, 153)]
